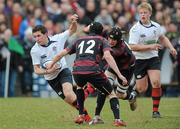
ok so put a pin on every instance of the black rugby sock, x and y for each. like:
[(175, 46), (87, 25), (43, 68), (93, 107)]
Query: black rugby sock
[(115, 107), (100, 103), (80, 100)]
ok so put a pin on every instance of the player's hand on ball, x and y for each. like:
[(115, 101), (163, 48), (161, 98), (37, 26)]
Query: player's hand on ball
[(49, 65)]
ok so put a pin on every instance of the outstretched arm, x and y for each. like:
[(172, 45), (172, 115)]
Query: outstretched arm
[(57, 58), (110, 60)]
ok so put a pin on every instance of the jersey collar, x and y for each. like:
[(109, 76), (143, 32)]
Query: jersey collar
[(49, 43), (151, 25)]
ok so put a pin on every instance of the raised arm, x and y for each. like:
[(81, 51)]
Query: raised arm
[(110, 60), (73, 26)]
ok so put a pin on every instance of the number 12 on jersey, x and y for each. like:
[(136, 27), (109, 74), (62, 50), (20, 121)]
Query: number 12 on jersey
[(83, 48)]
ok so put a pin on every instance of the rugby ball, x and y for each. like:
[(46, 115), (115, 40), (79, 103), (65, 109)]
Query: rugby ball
[(47, 62)]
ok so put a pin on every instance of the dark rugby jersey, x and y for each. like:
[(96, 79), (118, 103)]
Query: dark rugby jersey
[(89, 52), (122, 55)]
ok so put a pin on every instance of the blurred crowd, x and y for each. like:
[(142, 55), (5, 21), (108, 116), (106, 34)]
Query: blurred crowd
[(18, 17)]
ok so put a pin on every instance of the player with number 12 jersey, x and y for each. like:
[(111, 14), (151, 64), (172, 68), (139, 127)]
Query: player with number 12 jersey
[(89, 52)]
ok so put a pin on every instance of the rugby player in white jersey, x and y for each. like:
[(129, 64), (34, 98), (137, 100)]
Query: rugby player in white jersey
[(59, 77), (145, 39)]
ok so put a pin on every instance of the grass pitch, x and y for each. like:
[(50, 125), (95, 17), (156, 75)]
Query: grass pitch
[(53, 113)]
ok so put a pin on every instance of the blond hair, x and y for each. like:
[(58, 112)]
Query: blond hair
[(145, 5)]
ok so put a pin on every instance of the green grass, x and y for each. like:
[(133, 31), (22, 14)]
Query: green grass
[(53, 113)]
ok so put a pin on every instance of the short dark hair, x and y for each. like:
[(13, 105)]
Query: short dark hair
[(40, 28), (96, 28), (115, 33)]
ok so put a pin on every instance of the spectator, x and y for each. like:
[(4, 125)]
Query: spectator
[(16, 19), (27, 71), (15, 63)]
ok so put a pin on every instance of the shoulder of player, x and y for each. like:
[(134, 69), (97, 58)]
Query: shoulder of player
[(34, 48), (135, 27), (90, 37), (155, 24)]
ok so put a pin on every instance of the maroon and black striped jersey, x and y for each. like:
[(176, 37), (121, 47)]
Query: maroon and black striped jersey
[(123, 55), (89, 53)]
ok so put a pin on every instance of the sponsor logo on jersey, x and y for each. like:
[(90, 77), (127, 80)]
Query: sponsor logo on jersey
[(43, 56), (142, 35), (54, 48), (150, 41)]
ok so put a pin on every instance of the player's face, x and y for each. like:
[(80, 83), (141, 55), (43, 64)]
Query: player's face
[(112, 42), (144, 15), (40, 38)]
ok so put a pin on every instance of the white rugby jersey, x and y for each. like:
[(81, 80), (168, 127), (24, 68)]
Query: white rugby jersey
[(140, 34), (43, 54)]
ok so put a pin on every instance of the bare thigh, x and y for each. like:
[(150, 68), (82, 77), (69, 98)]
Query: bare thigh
[(142, 84), (69, 94)]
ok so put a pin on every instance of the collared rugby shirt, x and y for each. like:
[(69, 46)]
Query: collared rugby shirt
[(140, 34), (41, 54)]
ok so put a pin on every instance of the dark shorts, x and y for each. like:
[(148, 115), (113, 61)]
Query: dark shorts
[(142, 66), (127, 73), (99, 81), (56, 84)]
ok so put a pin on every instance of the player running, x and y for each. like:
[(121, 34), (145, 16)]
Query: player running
[(58, 77), (144, 38)]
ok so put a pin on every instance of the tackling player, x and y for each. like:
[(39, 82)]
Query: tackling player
[(125, 61)]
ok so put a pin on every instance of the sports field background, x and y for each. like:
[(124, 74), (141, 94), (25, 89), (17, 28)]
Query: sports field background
[(53, 113)]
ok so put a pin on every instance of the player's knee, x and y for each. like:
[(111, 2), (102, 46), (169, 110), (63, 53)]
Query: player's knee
[(156, 84), (70, 97), (141, 90), (112, 95)]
